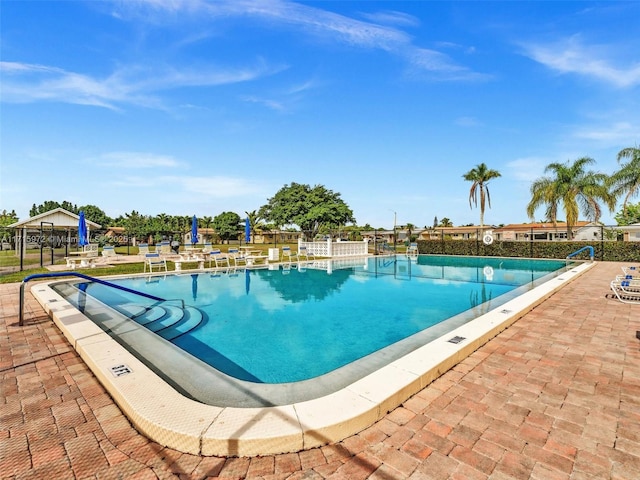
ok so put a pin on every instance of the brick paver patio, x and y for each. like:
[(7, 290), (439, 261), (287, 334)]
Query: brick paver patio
[(555, 396)]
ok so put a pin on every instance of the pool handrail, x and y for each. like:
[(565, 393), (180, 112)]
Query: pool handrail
[(75, 274), (591, 252)]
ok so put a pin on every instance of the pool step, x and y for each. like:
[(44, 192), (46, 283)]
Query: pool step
[(192, 318), (172, 316), (168, 321)]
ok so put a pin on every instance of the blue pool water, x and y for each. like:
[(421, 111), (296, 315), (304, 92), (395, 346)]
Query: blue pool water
[(277, 326)]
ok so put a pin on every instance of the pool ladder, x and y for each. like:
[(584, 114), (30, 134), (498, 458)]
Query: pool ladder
[(75, 274), (588, 247)]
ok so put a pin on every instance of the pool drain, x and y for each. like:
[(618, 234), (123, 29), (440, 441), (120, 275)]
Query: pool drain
[(456, 339)]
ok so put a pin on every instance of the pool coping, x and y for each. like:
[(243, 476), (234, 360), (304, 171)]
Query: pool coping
[(167, 417)]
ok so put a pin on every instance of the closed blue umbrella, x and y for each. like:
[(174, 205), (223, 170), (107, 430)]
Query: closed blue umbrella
[(247, 230), (194, 230), (82, 230), (247, 281)]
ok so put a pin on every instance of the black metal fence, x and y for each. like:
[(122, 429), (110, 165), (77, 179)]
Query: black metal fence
[(36, 248)]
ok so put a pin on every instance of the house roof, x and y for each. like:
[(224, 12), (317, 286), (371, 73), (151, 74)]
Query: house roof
[(541, 226), (461, 229), (59, 217)]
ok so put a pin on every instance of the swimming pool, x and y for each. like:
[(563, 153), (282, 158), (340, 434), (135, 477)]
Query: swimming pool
[(483, 296), (288, 326)]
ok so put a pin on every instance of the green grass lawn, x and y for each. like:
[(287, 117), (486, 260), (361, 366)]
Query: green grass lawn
[(8, 258)]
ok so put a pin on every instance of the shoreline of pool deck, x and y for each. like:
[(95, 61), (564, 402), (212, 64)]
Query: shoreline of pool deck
[(172, 420)]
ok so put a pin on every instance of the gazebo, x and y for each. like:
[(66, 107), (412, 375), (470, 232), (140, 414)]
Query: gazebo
[(35, 230)]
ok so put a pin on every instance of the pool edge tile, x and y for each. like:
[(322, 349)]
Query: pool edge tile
[(253, 431), (333, 417)]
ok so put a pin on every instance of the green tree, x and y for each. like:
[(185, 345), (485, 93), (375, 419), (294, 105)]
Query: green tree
[(626, 181), (435, 222), (574, 189), (52, 205), (95, 214), (629, 215), (480, 176), (445, 222), (7, 218), (308, 208), (227, 225), (136, 225), (410, 227)]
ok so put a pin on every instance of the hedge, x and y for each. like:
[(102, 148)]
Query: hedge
[(611, 251)]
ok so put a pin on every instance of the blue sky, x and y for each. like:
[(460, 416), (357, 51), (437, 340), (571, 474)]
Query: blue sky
[(200, 107)]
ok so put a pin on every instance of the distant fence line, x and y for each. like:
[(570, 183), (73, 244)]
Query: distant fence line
[(43, 247)]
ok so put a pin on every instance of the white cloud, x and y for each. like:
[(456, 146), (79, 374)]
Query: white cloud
[(269, 103), (527, 169), (135, 160), (614, 133), (571, 55), (321, 23), (390, 17), (186, 186), (23, 83)]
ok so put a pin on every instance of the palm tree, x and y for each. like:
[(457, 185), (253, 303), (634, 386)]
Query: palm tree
[(445, 222), (574, 188), (480, 176), (206, 220), (626, 181), (409, 227)]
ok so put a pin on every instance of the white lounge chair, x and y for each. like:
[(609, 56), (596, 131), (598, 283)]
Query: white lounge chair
[(288, 256), (217, 258), (109, 252), (153, 260), (236, 258), (165, 248), (412, 249), (303, 252), (627, 291), (143, 248)]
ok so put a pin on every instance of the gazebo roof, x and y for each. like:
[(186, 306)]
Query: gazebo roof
[(59, 217)]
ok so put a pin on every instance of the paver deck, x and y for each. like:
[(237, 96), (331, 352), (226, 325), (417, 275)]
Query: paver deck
[(555, 396)]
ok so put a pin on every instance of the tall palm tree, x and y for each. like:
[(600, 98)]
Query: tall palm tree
[(626, 181), (480, 176), (445, 222), (573, 188)]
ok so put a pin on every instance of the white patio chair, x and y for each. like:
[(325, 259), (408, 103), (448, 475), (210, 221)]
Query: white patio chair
[(236, 258), (217, 258), (109, 252), (304, 252), (288, 256)]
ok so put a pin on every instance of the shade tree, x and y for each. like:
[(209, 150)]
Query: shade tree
[(310, 208)]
